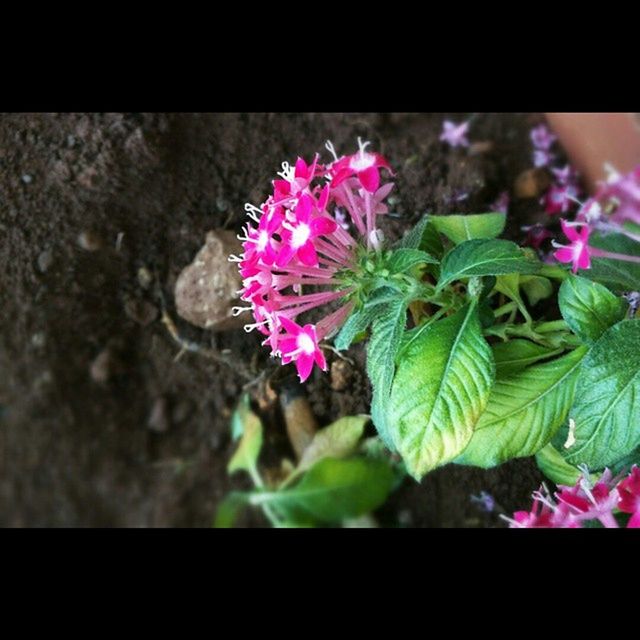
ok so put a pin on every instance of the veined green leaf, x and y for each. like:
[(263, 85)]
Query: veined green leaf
[(536, 288), (524, 412), (402, 260), (485, 258), (589, 308), (606, 409), (459, 228), (250, 426), (441, 387), (383, 346), (338, 440), (618, 275), (556, 468), (333, 489), (515, 355)]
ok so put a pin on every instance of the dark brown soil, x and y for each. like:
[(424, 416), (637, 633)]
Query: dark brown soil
[(99, 424)]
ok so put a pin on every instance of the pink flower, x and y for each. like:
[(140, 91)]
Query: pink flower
[(629, 490), (300, 345), (559, 198), (299, 234), (536, 235), (588, 502), (455, 134), (296, 244), (542, 157), (502, 203), (578, 251), (541, 137), (365, 166)]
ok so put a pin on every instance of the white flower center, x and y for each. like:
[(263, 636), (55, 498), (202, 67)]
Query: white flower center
[(300, 235), (305, 344), (362, 161)]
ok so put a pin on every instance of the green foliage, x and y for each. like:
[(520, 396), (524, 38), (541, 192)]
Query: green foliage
[(405, 259), (515, 355), (441, 388), (556, 468), (524, 412), (618, 275), (606, 409), (248, 426), (589, 308), (485, 258), (460, 228)]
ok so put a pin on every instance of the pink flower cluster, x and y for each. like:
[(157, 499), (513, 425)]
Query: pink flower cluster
[(296, 242), (583, 502)]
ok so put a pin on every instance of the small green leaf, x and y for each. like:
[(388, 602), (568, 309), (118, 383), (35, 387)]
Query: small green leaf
[(589, 308), (246, 455), (555, 467), (460, 228), (338, 440), (439, 392), (536, 288), (524, 412), (402, 260), (485, 258), (229, 509), (606, 409), (515, 355), (618, 275), (413, 238), (386, 335), (332, 490)]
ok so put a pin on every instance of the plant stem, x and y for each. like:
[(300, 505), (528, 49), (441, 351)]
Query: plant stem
[(553, 271), (600, 253), (555, 325)]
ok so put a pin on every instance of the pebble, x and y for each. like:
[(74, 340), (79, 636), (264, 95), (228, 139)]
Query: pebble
[(206, 290), (103, 366), (144, 277), (26, 178), (89, 241), (45, 260), (39, 340), (340, 375), (159, 418), (140, 311)]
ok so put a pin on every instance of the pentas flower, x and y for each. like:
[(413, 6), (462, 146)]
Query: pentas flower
[(501, 205), (312, 231), (629, 490), (585, 501), (536, 235), (559, 198), (578, 251), (455, 135), (620, 196), (542, 140)]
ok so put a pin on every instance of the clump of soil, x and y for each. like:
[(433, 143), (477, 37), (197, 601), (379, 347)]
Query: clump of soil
[(100, 423)]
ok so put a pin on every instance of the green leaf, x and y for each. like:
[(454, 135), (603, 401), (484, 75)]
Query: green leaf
[(229, 509), (402, 260), (335, 489), (606, 409), (524, 412), (459, 228), (441, 388), (515, 355), (536, 288), (338, 440), (250, 427), (413, 239), (555, 467), (386, 335), (485, 258), (618, 275), (589, 308)]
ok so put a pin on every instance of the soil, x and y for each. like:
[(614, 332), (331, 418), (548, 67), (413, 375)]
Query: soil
[(100, 424)]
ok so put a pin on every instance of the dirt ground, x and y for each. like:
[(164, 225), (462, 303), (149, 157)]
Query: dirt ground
[(99, 424)]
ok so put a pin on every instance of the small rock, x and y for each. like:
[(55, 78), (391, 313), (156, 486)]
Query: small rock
[(340, 375), (532, 183), (140, 311), (405, 518), (89, 241), (205, 291), (144, 277), (478, 148), (221, 204), (181, 411), (159, 418), (104, 366), (26, 178), (71, 141), (39, 340), (45, 260)]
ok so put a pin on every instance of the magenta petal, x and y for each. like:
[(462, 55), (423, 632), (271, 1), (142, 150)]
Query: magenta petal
[(370, 179), (584, 261), (320, 359), (290, 326), (301, 168), (634, 522), (384, 191), (564, 255), (304, 364), (284, 255), (340, 177), (303, 210), (323, 226), (307, 254), (569, 231), (324, 198)]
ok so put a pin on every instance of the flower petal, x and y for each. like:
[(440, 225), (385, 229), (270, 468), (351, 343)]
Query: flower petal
[(370, 179), (307, 254), (323, 226), (304, 364)]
